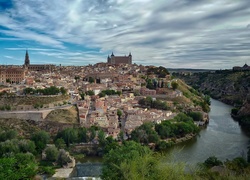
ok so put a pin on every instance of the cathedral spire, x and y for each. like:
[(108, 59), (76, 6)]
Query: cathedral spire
[(27, 59)]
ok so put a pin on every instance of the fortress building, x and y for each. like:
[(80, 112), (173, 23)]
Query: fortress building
[(243, 68), (36, 67), (119, 59)]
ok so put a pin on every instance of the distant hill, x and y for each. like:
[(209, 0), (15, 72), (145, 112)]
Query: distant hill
[(171, 70)]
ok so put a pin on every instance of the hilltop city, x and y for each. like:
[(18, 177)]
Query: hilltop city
[(98, 91)]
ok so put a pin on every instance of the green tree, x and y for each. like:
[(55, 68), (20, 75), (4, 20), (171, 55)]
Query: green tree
[(19, 166), (90, 93), (9, 147), (51, 153), (69, 135), (101, 137), (165, 129), (162, 145), (40, 139), (82, 95), (101, 94), (7, 134), (129, 150), (29, 90), (77, 78), (121, 136), (212, 161), (83, 135), (174, 85), (197, 116), (207, 99), (92, 132), (119, 113), (234, 111), (63, 90), (91, 80), (145, 134), (27, 146), (132, 161), (150, 84), (237, 165), (110, 144), (60, 143)]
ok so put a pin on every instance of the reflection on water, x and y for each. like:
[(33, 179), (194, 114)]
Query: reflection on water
[(222, 138)]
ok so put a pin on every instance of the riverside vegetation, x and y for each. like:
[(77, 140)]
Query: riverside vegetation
[(128, 160)]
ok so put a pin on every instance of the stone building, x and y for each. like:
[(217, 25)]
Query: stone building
[(36, 67), (11, 74), (243, 68), (119, 59)]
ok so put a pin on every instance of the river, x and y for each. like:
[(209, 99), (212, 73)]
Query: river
[(223, 138)]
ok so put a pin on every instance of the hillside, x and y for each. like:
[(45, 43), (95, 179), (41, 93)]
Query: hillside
[(55, 121), (227, 86), (63, 115), (230, 87), (20, 102)]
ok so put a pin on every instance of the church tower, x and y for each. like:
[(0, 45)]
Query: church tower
[(27, 59), (130, 58)]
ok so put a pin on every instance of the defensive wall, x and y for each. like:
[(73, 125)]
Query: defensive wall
[(35, 115)]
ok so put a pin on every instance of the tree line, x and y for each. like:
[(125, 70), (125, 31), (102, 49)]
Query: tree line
[(178, 127), (52, 90), (157, 104)]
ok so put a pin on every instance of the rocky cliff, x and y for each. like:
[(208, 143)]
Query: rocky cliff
[(227, 86), (230, 87)]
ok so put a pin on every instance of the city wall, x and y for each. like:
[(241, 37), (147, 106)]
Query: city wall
[(35, 116)]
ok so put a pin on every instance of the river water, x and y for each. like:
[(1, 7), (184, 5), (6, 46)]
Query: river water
[(223, 138)]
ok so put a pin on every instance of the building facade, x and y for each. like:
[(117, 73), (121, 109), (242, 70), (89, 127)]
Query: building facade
[(12, 74), (36, 67), (243, 68), (119, 59)]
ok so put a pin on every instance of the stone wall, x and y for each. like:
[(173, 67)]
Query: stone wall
[(35, 116)]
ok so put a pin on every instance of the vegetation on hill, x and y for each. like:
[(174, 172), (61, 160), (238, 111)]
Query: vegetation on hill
[(163, 135), (157, 104), (228, 86), (10, 103), (109, 92), (195, 96), (52, 90), (160, 71), (231, 87)]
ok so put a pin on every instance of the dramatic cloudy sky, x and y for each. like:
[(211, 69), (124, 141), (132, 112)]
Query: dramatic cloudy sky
[(212, 34)]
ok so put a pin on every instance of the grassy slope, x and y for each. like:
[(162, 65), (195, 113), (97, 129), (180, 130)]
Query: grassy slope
[(63, 115)]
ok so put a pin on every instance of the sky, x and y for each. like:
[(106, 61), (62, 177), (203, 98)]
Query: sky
[(207, 34)]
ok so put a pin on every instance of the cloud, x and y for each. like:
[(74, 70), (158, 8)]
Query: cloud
[(174, 33)]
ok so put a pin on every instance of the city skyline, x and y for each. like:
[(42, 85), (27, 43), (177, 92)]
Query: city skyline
[(175, 34)]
